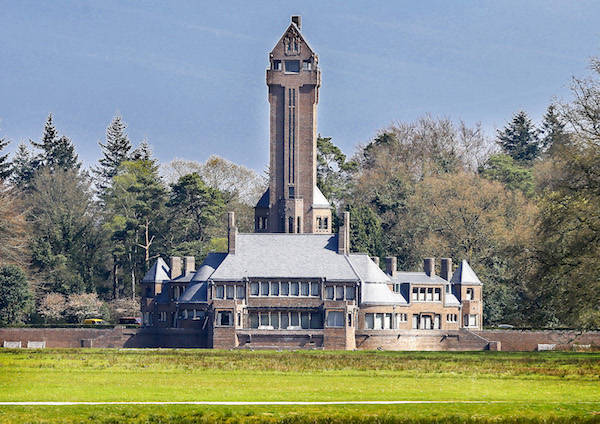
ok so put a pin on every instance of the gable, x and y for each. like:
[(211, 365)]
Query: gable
[(292, 45)]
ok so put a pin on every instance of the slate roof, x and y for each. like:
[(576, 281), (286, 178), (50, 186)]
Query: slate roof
[(263, 202), (450, 300), (272, 255), (367, 270), (464, 274), (212, 262), (158, 273), (417, 278), (319, 200)]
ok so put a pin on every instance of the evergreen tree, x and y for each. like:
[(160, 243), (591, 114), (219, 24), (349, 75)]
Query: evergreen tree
[(23, 168), (143, 152), (5, 168), (553, 133), (15, 296), (56, 152), (115, 151), (520, 139)]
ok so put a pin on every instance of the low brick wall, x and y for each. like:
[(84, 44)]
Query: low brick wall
[(528, 340), (118, 337)]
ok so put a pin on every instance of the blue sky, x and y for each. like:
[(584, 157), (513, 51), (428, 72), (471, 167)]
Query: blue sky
[(190, 76)]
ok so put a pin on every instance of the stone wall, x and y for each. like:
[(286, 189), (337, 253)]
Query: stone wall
[(528, 340)]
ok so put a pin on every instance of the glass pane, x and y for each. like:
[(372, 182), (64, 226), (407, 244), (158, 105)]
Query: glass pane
[(241, 292), (264, 319), (329, 292), (220, 292), (316, 320), (274, 288), (305, 288), (369, 322), (275, 319), (294, 319), (305, 320), (295, 289), (378, 321), (253, 318), (292, 66), (387, 322), (285, 320), (285, 288), (230, 290), (254, 289), (349, 293), (264, 288), (315, 289), (339, 293)]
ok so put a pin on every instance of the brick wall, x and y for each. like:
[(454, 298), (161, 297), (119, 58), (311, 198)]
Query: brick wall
[(527, 340)]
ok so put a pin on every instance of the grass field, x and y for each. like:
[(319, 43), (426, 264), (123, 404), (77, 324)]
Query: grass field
[(522, 387)]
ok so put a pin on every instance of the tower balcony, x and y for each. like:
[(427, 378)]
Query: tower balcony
[(277, 77)]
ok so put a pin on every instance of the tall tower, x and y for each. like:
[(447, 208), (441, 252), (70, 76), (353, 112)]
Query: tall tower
[(293, 203)]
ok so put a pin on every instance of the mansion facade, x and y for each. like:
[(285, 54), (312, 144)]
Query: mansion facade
[(293, 283)]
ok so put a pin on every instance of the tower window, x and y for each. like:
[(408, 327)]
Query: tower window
[(290, 225), (292, 66), (276, 65), (298, 225), (306, 65)]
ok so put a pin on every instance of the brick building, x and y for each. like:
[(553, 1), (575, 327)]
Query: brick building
[(293, 283)]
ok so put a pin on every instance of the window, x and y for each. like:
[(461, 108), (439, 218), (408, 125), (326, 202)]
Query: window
[(275, 319), (350, 293), (306, 65), (185, 314), (316, 320), (264, 288), (335, 319), (292, 66), (315, 289), (285, 320), (298, 225), (339, 293), (253, 289), (290, 219), (294, 319), (274, 288), (400, 318), (319, 223), (436, 322), (224, 318), (285, 288), (220, 292), (304, 288), (305, 320), (429, 294), (422, 295), (451, 317), (471, 320), (387, 321), (264, 319), (369, 321), (378, 321), (329, 292), (437, 293), (349, 320), (447, 288), (325, 223), (415, 322), (295, 289), (276, 65), (240, 292), (469, 295), (415, 294), (230, 291)]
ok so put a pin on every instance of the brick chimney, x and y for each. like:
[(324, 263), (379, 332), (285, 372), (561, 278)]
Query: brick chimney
[(344, 236), (446, 269), (297, 19), (175, 267), (189, 264), (231, 233), (429, 266), (391, 265)]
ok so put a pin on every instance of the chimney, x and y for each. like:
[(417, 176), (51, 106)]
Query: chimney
[(175, 267), (446, 269), (344, 235), (231, 233), (297, 19), (375, 259), (391, 265), (189, 264), (429, 266)]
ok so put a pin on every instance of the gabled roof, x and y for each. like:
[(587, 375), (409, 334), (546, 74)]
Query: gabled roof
[(263, 202), (319, 201), (367, 270), (212, 262), (380, 294), (464, 274), (293, 28), (277, 255), (158, 273), (450, 300), (195, 293)]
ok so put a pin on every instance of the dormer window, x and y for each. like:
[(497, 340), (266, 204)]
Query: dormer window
[(276, 65), (292, 66)]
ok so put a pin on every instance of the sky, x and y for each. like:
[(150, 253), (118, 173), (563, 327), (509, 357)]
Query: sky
[(189, 76)]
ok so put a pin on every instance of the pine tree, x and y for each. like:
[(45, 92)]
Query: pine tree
[(57, 152), (143, 152), (23, 168), (48, 142), (553, 131), (520, 139), (116, 150), (5, 168)]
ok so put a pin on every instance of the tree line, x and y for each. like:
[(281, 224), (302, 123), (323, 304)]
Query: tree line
[(523, 208)]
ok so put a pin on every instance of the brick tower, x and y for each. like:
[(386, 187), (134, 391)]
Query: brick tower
[(293, 203)]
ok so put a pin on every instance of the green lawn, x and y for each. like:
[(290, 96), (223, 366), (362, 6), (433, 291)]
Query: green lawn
[(533, 387)]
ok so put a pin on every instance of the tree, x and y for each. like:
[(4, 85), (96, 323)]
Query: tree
[(14, 231), (553, 131), (53, 307), (5, 166), (195, 211), (82, 306), (503, 168), (115, 151), (366, 234), (15, 296), (23, 168), (56, 152), (332, 169), (142, 152), (67, 243), (519, 139)]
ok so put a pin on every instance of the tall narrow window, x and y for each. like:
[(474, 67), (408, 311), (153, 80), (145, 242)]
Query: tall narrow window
[(298, 225)]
